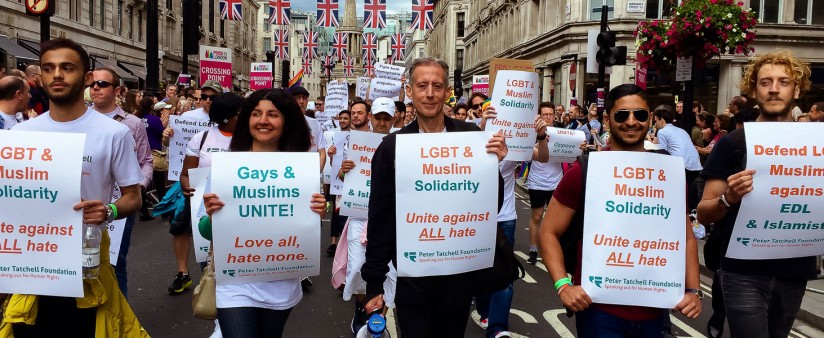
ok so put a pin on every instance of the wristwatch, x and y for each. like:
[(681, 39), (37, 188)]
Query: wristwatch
[(697, 292), (723, 200), (109, 214)]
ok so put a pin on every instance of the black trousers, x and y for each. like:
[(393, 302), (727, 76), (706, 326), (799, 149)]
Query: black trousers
[(56, 317), (445, 318)]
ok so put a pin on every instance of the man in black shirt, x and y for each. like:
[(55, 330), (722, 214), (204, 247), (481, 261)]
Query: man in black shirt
[(761, 296)]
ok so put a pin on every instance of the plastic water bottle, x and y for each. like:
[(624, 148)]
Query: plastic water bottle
[(375, 327), (91, 251)]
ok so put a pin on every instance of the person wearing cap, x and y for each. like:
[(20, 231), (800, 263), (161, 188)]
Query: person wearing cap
[(208, 92), (381, 115), (103, 91)]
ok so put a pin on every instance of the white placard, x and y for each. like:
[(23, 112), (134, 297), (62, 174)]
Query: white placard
[(40, 233), (385, 88), (634, 242), (683, 69), (199, 179), (337, 98), (341, 140), (782, 216), (327, 167), (358, 182), (564, 144), (515, 98), (184, 128), (266, 230), (116, 230), (362, 86), (387, 71), (447, 203)]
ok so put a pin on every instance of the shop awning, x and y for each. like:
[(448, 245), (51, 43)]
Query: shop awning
[(100, 62), (32, 46), (136, 70), (13, 49)]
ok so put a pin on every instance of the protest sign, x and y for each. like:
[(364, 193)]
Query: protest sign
[(387, 71), (496, 64), (447, 203), (266, 230), (782, 216), (41, 234), (516, 100), (480, 84), (337, 98), (385, 88), (199, 179), (116, 230), (564, 144), (184, 128), (260, 77), (356, 187), (634, 242), (341, 140), (327, 167), (216, 64), (362, 86), (184, 80)]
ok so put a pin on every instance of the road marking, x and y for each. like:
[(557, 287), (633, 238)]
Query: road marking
[(528, 279), (477, 319), (551, 317), (390, 323), (525, 257), (686, 328), (527, 318)]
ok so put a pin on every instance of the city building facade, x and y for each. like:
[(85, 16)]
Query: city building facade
[(446, 40)]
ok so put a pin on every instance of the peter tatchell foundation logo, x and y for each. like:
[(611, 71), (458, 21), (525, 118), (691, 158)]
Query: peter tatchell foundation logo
[(261, 68), (217, 55)]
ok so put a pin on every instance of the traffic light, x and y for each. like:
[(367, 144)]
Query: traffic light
[(284, 74), (608, 54), (458, 84), (191, 26)]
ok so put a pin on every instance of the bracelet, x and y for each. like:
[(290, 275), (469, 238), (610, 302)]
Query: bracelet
[(561, 282), (114, 210), (563, 287)]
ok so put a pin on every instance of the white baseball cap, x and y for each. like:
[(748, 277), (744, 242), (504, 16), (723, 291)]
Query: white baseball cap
[(383, 105)]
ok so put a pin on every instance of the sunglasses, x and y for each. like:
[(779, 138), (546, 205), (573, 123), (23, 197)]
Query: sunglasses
[(620, 116), (476, 106), (101, 84), (207, 97)]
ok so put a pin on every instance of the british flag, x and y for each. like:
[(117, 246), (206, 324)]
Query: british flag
[(375, 13), (368, 69), (370, 47), (282, 44), (327, 13), (307, 66), (279, 12), (310, 44), (398, 47), (349, 66), (339, 43), (327, 61), (231, 10), (422, 14)]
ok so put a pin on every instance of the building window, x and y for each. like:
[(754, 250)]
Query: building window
[(211, 17), (420, 52), (595, 9), (169, 4), (460, 17), (222, 29), (103, 14), (91, 13), (140, 26), (129, 27), (809, 12), (459, 58), (658, 9), (120, 17), (768, 11), (267, 44), (267, 27)]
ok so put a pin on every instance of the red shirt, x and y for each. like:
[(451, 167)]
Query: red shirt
[(569, 193)]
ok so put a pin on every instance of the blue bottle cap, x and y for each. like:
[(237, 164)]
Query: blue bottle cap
[(376, 324)]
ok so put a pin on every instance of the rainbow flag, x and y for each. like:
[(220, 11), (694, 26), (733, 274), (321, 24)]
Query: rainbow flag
[(297, 80), (522, 171)]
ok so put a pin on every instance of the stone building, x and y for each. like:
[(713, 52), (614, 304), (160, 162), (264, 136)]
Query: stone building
[(446, 40)]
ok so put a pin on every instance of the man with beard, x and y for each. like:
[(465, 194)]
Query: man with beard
[(761, 297), (629, 120), (344, 119), (109, 160)]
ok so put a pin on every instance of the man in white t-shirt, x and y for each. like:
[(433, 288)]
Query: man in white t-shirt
[(208, 92), (14, 97), (108, 160)]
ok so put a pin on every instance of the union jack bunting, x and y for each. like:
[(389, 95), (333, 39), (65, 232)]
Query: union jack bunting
[(349, 66), (231, 10), (398, 47), (307, 66), (282, 44), (279, 12), (368, 69), (370, 47), (327, 13), (339, 43), (422, 14), (310, 44), (328, 60), (374, 12)]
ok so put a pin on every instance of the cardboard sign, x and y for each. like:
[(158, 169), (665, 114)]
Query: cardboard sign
[(341, 140), (358, 182), (327, 167), (564, 144), (386, 71), (260, 76), (782, 216), (184, 80), (337, 98), (362, 86), (41, 235), (634, 242), (496, 64), (516, 100), (480, 84), (184, 128), (216, 64), (385, 88), (199, 179), (266, 231), (447, 203)]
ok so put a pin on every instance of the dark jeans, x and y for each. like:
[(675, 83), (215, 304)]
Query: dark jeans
[(761, 306), (495, 306), (594, 323), (120, 268), (692, 190), (242, 322), (59, 317), (445, 319), (719, 315)]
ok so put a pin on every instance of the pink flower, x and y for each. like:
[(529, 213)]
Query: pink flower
[(699, 13)]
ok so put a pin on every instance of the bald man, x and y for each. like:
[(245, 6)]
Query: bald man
[(14, 96), (39, 101)]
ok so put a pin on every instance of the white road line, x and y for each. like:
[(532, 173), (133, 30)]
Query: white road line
[(477, 319), (528, 279), (527, 318), (551, 316), (686, 328), (524, 257), (390, 323)]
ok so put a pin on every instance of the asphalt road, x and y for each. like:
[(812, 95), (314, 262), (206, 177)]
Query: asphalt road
[(536, 310)]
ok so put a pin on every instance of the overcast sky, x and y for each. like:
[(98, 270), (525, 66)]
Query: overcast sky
[(392, 6)]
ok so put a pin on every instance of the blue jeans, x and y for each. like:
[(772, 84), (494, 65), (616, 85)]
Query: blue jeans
[(241, 322), (761, 306), (495, 306), (594, 323), (120, 268)]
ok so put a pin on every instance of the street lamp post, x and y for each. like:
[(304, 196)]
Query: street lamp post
[(328, 68)]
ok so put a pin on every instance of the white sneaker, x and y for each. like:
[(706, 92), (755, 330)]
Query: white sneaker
[(503, 334), (484, 323), (217, 333)]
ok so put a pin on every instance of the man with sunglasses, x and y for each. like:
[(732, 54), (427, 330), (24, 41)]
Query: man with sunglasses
[(629, 120), (208, 92), (104, 90)]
